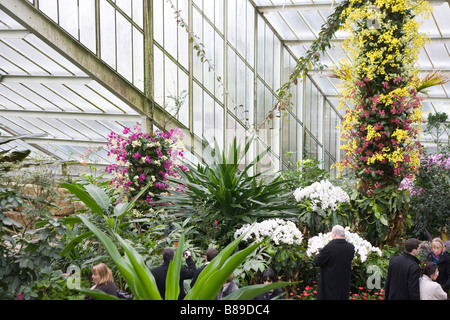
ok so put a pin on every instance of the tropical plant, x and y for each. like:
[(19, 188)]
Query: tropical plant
[(304, 174), (223, 193), (101, 205), (430, 196), (142, 283), (10, 156), (363, 248), (437, 127)]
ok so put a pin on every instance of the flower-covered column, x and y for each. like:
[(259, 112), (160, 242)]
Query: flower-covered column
[(143, 160), (383, 115)]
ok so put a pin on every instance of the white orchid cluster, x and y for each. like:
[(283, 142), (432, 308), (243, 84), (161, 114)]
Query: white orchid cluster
[(279, 230), (362, 247), (322, 194)]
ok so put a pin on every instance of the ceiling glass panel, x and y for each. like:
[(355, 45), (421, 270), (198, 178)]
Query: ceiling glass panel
[(41, 92)]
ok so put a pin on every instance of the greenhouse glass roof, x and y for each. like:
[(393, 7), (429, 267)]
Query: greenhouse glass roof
[(65, 91), (298, 23), (60, 109)]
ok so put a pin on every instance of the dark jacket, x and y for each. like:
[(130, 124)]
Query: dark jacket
[(444, 270), (277, 293), (196, 274), (160, 273), (335, 262), (109, 288), (402, 281)]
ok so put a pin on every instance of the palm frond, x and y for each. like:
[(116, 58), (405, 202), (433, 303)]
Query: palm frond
[(433, 78)]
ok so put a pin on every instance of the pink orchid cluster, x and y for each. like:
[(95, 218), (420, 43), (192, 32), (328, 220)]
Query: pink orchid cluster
[(141, 159), (440, 162)]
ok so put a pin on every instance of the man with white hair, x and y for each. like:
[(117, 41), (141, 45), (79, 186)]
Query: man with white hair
[(335, 262)]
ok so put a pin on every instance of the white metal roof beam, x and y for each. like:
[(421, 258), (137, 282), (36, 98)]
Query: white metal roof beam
[(421, 71), (63, 142), (330, 5), (44, 79), (299, 7), (13, 34), (434, 40), (70, 115)]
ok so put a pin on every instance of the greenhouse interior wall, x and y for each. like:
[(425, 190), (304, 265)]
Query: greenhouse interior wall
[(211, 68)]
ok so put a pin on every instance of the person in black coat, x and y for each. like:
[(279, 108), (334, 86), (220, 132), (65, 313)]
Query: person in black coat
[(160, 273), (335, 262), (441, 257), (402, 280), (211, 253)]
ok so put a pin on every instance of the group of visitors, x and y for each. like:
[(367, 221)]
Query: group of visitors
[(405, 280), (103, 279)]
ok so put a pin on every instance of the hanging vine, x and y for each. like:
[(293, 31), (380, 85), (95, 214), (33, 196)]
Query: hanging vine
[(310, 58)]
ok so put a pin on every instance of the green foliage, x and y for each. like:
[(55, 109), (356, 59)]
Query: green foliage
[(306, 173), (27, 260), (142, 283), (11, 156), (225, 193), (438, 127), (30, 250), (382, 216), (430, 197)]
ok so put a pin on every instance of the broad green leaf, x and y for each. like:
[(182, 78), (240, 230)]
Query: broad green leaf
[(99, 196), (85, 197), (75, 241), (133, 201), (98, 294), (250, 292), (124, 267), (173, 273), (144, 281), (218, 270)]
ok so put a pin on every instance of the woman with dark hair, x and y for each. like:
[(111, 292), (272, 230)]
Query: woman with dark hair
[(268, 277), (429, 289)]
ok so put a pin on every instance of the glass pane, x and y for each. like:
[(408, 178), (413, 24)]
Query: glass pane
[(198, 110), (108, 33), (68, 17), (138, 12), (158, 21), (50, 8), (124, 47), (158, 74), (138, 59), (88, 30), (125, 6)]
